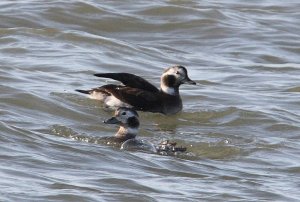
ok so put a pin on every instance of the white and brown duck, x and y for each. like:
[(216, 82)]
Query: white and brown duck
[(128, 120), (139, 94)]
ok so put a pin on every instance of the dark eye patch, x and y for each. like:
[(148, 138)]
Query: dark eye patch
[(169, 80), (123, 113)]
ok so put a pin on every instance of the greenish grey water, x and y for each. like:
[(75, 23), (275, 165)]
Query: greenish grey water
[(240, 123)]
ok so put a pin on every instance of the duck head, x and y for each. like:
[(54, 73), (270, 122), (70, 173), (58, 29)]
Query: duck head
[(127, 119), (173, 77)]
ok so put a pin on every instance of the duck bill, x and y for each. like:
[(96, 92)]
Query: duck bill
[(112, 120), (188, 81)]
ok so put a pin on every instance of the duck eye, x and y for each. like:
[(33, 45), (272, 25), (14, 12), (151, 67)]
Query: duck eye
[(177, 72), (123, 113)]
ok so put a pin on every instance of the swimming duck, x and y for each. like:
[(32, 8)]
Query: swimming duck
[(128, 120), (139, 94)]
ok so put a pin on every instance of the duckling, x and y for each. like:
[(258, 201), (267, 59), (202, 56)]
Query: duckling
[(139, 94)]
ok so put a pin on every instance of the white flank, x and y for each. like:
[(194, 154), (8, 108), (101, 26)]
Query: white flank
[(97, 96), (109, 101), (112, 101)]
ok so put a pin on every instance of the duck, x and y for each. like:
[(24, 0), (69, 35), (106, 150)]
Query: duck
[(128, 121), (141, 95)]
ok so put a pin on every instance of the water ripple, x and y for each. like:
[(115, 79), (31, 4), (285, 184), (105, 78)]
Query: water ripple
[(240, 124)]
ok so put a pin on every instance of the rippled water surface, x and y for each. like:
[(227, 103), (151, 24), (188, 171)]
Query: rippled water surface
[(240, 124)]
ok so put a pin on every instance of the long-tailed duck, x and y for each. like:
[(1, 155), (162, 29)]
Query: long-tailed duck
[(139, 94), (128, 119)]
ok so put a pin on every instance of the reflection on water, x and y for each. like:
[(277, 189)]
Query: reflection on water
[(240, 124)]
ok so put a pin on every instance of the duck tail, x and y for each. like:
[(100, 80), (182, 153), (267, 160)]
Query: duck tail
[(83, 91)]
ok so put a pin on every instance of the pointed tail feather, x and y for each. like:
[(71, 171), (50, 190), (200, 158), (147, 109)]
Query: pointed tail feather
[(83, 91), (106, 75)]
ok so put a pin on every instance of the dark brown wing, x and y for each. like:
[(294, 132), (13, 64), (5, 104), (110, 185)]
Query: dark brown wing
[(140, 99), (130, 80)]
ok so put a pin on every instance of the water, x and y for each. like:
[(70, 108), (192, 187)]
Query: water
[(240, 123)]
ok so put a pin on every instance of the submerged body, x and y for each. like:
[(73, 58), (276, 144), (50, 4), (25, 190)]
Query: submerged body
[(139, 94)]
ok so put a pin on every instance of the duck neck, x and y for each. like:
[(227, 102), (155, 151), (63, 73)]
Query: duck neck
[(126, 132), (169, 90), (168, 85)]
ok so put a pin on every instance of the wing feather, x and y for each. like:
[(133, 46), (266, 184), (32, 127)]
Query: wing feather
[(138, 98), (130, 80)]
